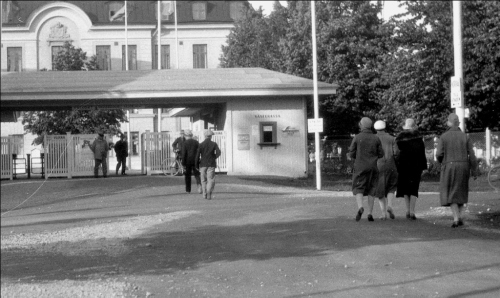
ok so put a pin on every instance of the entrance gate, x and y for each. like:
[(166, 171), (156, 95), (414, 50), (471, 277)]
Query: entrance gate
[(157, 148)]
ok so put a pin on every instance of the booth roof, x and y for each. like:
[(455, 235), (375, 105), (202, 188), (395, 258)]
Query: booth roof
[(19, 88)]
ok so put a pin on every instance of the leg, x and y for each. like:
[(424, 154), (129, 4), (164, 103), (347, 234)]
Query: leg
[(96, 167), (187, 178), (461, 214), (456, 214), (383, 207), (407, 203), (104, 167), (371, 202), (413, 202), (196, 174), (124, 165), (390, 200), (203, 174), (210, 182), (359, 200), (118, 164)]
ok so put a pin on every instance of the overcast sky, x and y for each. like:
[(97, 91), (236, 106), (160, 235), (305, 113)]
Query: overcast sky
[(390, 7)]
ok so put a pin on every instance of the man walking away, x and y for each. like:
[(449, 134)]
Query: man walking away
[(100, 149), (457, 157), (387, 172), (121, 150), (188, 156), (206, 155), (365, 149)]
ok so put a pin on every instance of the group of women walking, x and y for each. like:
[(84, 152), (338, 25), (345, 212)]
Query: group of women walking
[(386, 167)]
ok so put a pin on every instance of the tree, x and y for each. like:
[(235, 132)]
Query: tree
[(77, 120)]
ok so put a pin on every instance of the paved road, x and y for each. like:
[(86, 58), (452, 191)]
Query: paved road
[(253, 240)]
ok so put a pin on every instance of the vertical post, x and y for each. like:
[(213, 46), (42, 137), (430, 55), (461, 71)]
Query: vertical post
[(488, 146), (146, 152), (126, 38), (176, 36), (29, 165), (69, 151), (159, 35), (129, 138), (316, 104), (457, 46)]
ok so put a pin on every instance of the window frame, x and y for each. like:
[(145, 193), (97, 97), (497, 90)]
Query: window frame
[(200, 55), (108, 60), (132, 57), (165, 57), (18, 63), (196, 13)]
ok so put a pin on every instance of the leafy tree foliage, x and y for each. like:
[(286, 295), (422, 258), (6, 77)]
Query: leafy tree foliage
[(386, 70), (78, 120)]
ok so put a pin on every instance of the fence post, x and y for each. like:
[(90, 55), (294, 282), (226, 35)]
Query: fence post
[(70, 156), (11, 159), (148, 147), (29, 165), (488, 146)]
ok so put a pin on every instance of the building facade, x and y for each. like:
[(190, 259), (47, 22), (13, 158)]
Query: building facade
[(33, 32)]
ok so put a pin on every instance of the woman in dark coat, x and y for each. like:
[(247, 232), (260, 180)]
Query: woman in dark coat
[(365, 149), (457, 157), (410, 162)]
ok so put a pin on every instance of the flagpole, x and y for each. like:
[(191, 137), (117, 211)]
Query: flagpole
[(126, 38), (316, 104), (159, 35), (176, 36)]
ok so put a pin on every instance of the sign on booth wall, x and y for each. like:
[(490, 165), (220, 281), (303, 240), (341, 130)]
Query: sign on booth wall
[(456, 92), (243, 142)]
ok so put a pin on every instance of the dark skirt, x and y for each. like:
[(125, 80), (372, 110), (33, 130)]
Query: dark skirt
[(365, 182), (454, 183), (387, 182), (408, 184)]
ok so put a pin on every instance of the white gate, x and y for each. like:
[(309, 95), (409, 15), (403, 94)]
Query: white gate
[(158, 146), (70, 155), (6, 158)]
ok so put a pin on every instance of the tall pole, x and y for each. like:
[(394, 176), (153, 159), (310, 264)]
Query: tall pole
[(159, 35), (457, 46), (316, 104), (176, 36), (126, 38)]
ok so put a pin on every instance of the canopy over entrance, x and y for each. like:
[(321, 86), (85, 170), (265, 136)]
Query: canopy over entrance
[(147, 88)]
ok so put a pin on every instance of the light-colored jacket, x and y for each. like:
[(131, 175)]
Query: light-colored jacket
[(100, 148)]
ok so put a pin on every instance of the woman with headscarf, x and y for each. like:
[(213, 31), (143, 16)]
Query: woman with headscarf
[(410, 161), (365, 149), (457, 159)]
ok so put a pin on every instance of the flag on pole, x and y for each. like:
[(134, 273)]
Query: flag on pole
[(166, 9), (118, 15)]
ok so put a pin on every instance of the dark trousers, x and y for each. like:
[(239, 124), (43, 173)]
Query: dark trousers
[(190, 169), (104, 163), (122, 162)]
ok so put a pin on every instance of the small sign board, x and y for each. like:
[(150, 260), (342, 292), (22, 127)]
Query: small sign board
[(456, 92), (315, 125), (243, 142)]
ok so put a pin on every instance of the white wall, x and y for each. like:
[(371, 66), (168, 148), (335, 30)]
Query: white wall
[(289, 158)]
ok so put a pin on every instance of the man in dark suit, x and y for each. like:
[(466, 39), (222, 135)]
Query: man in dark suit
[(188, 157), (206, 157)]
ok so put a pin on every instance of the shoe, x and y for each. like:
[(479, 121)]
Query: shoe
[(209, 196), (105, 176), (360, 212), (455, 224), (370, 217), (391, 213), (408, 215), (117, 173), (124, 174), (413, 217), (460, 222), (188, 192)]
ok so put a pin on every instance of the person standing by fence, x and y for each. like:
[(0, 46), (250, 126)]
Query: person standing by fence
[(365, 149), (388, 174), (457, 157), (206, 156), (411, 162), (121, 150), (188, 157), (100, 149)]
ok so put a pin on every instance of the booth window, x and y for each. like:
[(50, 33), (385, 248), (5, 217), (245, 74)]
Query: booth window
[(268, 134)]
